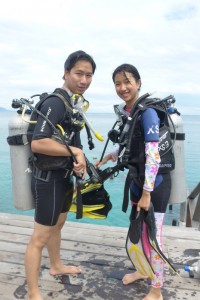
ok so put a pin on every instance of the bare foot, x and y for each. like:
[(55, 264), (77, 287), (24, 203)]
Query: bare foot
[(64, 270), (35, 296), (130, 278), (154, 294), (40, 298)]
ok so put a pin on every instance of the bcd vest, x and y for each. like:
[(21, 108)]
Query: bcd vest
[(132, 147), (72, 124), (135, 159)]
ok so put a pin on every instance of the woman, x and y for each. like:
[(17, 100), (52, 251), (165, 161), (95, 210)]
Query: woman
[(155, 187)]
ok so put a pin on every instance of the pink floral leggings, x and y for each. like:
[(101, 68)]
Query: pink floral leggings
[(156, 262)]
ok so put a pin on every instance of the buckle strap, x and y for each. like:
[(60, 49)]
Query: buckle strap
[(46, 175), (41, 175), (17, 140)]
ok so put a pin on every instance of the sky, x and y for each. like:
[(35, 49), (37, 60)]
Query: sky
[(159, 37)]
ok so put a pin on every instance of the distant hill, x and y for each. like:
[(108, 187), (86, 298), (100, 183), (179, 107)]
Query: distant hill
[(4, 109)]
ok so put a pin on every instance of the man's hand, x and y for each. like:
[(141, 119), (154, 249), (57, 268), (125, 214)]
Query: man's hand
[(80, 166)]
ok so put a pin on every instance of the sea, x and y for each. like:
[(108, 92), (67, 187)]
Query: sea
[(102, 123)]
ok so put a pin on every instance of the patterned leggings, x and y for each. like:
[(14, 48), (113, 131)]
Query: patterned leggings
[(156, 262)]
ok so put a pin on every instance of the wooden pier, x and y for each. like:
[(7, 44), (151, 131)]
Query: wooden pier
[(100, 252)]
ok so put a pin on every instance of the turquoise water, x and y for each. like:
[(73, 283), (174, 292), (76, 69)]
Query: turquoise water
[(102, 123)]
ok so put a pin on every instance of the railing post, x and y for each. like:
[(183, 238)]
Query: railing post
[(193, 208), (183, 211)]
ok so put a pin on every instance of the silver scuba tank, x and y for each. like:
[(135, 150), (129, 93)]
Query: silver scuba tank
[(21, 172), (179, 191), (194, 270)]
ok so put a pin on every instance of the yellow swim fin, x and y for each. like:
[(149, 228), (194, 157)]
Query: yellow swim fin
[(92, 215), (86, 208), (89, 187), (139, 259), (95, 201), (134, 245)]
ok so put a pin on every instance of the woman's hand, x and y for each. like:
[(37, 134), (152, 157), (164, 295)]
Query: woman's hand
[(145, 200), (106, 158)]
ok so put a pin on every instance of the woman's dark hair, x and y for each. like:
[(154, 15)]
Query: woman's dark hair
[(76, 56), (126, 68)]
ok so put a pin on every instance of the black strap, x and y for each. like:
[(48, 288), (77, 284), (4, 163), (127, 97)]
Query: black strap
[(64, 99), (89, 136), (179, 136), (17, 140), (126, 192), (79, 203)]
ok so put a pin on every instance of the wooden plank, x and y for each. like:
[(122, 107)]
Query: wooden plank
[(80, 237), (14, 220), (99, 230), (184, 233), (71, 257), (71, 233)]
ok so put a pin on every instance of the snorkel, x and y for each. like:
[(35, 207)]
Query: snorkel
[(82, 105)]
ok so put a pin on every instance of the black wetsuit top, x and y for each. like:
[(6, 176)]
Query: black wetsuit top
[(53, 196)]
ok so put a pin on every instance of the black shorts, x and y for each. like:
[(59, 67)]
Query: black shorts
[(159, 196), (52, 197)]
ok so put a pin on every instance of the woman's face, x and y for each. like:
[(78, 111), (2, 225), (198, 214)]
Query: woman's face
[(127, 88)]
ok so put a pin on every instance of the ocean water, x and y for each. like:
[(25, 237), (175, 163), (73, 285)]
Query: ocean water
[(102, 123)]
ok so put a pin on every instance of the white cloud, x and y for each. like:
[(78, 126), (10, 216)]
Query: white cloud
[(159, 37)]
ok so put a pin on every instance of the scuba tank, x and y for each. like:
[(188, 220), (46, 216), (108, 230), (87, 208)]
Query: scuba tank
[(19, 156), (19, 141), (193, 270), (175, 124), (178, 178), (20, 151)]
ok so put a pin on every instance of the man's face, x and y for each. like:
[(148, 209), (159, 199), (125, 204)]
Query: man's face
[(78, 79)]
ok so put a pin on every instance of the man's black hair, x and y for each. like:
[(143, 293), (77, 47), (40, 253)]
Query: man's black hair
[(76, 56)]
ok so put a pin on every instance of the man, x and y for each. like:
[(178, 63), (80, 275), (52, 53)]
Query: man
[(53, 189)]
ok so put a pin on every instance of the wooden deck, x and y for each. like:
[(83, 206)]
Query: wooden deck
[(100, 252)]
